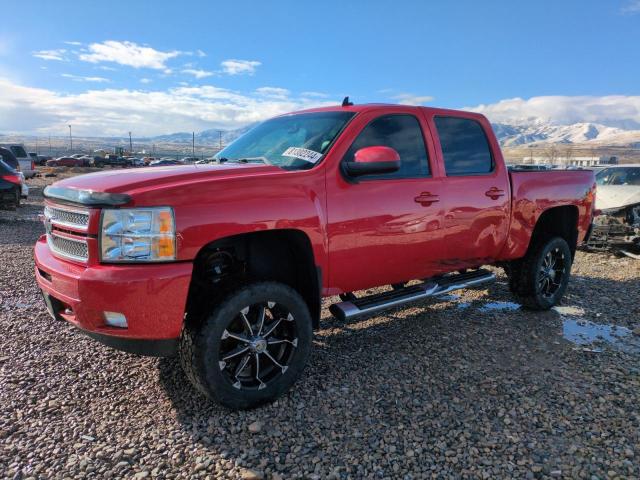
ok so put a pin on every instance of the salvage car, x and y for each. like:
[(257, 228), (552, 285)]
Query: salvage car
[(164, 162), (225, 265), (27, 164), (66, 162), (617, 225), (12, 186)]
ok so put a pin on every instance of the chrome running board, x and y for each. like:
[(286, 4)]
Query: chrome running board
[(350, 309)]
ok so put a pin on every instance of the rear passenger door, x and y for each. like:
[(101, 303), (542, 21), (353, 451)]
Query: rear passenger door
[(476, 204)]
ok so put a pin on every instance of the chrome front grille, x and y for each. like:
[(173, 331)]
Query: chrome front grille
[(69, 248), (59, 219), (69, 218)]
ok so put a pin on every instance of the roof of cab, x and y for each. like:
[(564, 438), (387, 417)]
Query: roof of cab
[(365, 107)]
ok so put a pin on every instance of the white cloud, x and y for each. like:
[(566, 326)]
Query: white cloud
[(314, 94), (198, 73), (79, 78), (145, 80), (111, 111), (200, 53), (631, 7), (75, 44), (613, 110), (57, 54), (411, 99), (128, 53), (240, 67), (273, 92)]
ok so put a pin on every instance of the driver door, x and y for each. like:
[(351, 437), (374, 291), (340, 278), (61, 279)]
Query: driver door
[(385, 228)]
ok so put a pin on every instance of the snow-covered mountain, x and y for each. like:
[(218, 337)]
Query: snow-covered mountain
[(510, 135), (210, 137), (513, 135)]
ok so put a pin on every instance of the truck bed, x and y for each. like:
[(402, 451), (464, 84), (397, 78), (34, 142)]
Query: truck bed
[(533, 192)]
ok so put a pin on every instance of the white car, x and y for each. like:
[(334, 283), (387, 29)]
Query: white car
[(27, 165), (617, 225)]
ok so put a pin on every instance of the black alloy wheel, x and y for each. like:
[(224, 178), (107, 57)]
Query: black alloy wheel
[(257, 345), (251, 348)]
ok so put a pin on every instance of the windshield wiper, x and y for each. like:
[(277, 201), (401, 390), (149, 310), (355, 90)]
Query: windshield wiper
[(246, 160)]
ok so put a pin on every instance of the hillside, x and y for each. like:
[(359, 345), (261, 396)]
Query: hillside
[(578, 133)]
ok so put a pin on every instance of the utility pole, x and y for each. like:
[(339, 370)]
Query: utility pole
[(70, 140), (193, 144), (36, 145), (220, 133), (49, 144), (130, 145)]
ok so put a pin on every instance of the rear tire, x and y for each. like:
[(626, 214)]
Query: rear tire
[(541, 277), (251, 348)]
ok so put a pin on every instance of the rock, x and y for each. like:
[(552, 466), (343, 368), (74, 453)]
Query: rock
[(249, 474), (255, 427)]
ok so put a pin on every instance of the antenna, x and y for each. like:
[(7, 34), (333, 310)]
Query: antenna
[(346, 102)]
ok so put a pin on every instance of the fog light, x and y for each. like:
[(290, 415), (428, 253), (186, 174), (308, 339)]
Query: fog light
[(115, 319)]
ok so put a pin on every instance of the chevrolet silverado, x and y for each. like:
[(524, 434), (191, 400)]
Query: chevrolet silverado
[(226, 264)]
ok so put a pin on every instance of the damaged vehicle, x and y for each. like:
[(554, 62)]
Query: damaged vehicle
[(616, 226)]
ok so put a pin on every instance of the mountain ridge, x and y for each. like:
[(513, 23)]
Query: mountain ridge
[(509, 134)]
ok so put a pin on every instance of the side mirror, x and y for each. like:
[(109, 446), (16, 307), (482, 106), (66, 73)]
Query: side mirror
[(373, 160)]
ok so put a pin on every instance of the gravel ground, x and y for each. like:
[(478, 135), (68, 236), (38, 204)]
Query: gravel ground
[(468, 386)]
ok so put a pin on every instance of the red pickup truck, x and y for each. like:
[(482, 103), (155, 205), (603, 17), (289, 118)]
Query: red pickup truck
[(226, 264)]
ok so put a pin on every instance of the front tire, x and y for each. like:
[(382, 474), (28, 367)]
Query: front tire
[(251, 348), (541, 278)]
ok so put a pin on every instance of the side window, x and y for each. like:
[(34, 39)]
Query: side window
[(400, 132), (465, 147)]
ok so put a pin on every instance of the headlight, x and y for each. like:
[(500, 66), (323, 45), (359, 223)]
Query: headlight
[(137, 235)]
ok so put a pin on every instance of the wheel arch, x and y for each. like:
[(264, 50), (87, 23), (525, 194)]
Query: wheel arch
[(561, 221), (281, 255)]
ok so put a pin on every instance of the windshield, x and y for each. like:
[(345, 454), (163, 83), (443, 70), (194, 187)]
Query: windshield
[(293, 142), (619, 176)]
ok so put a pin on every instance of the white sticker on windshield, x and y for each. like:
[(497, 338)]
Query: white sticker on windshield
[(303, 154)]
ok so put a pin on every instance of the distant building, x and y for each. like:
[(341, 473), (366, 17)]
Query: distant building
[(573, 161)]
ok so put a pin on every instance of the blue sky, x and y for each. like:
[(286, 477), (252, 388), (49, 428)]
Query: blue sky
[(113, 66)]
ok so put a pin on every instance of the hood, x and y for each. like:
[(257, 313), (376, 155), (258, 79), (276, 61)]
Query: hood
[(135, 179), (616, 196)]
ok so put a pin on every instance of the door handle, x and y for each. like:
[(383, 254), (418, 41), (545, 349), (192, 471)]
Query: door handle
[(494, 193), (426, 199)]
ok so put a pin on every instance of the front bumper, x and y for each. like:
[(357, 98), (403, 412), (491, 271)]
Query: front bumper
[(152, 297)]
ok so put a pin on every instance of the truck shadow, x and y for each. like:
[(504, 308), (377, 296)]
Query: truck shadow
[(453, 359)]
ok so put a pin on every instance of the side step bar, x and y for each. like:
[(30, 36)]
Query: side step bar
[(348, 310)]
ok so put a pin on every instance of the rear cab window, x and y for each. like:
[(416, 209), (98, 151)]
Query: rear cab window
[(465, 147), (18, 151), (403, 133)]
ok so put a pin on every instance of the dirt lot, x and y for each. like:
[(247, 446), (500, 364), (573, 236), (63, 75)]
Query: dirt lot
[(467, 386)]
